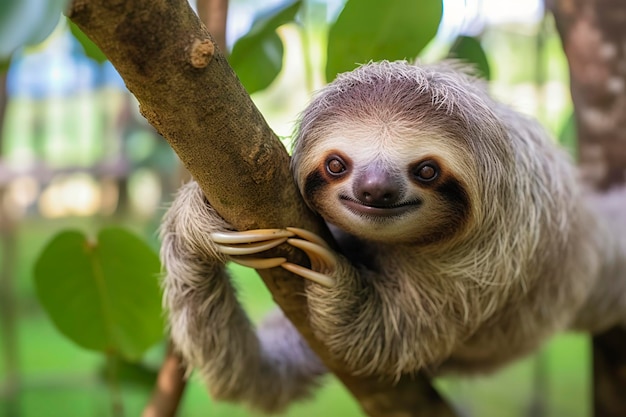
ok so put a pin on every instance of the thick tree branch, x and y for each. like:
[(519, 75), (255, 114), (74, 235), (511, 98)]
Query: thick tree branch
[(593, 36), (188, 92)]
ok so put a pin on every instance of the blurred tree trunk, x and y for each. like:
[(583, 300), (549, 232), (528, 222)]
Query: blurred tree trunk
[(214, 14), (593, 33), (188, 92)]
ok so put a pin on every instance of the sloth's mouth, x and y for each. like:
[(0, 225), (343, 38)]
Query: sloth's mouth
[(374, 210)]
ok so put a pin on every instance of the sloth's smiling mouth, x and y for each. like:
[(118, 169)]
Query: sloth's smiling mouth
[(374, 210)]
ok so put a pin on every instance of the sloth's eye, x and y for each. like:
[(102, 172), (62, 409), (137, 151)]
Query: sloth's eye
[(426, 171), (335, 166)]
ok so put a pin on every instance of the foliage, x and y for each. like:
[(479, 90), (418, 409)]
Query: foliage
[(30, 22), (257, 57), (103, 295), (373, 30), (468, 49), (365, 30), (27, 22), (90, 48), (568, 136)]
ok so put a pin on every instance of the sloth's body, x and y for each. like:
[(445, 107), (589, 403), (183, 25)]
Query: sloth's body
[(466, 241)]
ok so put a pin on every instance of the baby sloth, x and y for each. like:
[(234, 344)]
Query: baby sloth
[(466, 241)]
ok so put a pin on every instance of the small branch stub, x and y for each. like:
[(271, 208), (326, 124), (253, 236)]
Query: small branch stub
[(202, 52)]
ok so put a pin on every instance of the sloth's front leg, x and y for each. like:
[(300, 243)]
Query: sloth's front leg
[(240, 245), (266, 367)]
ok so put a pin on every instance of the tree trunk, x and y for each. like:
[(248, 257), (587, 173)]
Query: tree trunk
[(188, 92), (593, 36)]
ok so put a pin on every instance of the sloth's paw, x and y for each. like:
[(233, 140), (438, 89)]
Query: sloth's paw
[(323, 260), (240, 245)]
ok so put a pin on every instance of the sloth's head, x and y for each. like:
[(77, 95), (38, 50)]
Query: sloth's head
[(388, 153)]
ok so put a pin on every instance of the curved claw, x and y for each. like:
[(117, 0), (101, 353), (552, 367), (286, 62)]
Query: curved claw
[(259, 263), (317, 277), (249, 236), (310, 236), (251, 248), (254, 241), (322, 259)]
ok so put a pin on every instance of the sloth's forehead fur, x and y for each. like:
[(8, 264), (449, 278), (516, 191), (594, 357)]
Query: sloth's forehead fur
[(399, 112), (440, 96), (437, 98)]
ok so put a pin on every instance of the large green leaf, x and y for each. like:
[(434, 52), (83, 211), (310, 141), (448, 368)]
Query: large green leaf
[(103, 295), (371, 30), (468, 49), (90, 48), (27, 22), (257, 57)]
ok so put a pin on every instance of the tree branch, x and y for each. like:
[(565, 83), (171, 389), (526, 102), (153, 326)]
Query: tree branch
[(188, 92), (169, 388)]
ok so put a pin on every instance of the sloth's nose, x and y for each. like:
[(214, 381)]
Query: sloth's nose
[(377, 187)]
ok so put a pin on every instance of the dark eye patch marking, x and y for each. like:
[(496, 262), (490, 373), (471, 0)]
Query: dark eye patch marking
[(456, 215), (313, 183), (453, 192)]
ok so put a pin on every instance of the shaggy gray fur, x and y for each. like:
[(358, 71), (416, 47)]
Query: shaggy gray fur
[(535, 255)]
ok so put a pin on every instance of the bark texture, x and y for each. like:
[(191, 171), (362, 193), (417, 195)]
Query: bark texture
[(188, 92), (594, 39)]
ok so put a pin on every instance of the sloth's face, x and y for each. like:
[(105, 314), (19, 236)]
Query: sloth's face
[(389, 184)]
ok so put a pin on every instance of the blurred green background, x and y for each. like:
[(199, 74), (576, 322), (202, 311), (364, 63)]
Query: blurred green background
[(75, 153)]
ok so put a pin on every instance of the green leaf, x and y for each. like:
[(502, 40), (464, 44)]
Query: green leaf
[(257, 57), (103, 295), (27, 22), (4, 65), (468, 49), (568, 137), (90, 48), (372, 30), (135, 374)]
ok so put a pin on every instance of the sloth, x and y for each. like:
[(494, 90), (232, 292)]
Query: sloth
[(466, 240)]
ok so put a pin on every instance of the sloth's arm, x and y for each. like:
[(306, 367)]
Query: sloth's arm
[(265, 368), (367, 320)]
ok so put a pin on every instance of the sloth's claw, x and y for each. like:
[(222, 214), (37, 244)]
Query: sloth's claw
[(251, 248), (322, 259), (259, 263), (249, 236), (251, 242), (310, 236), (321, 279), (240, 244)]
